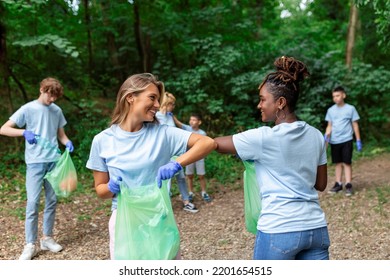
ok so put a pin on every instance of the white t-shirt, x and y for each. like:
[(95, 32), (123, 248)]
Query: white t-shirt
[(136, 156), (286, 160), (341, 119), (42, 120)]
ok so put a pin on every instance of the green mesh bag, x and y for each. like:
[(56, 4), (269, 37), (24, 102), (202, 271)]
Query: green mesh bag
[(63, 177), (145, 227), (252, 198)]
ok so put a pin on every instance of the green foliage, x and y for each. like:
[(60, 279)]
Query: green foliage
[(62, 44)]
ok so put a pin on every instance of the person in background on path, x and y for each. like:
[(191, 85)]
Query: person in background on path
[(195, 122), (342, 121), (165, 116), (135, 149), (291, 166), (41, 118)]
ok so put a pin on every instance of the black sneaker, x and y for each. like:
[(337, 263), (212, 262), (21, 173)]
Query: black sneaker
[(191, 197), (336, 188), (189, 207), (348, 189)]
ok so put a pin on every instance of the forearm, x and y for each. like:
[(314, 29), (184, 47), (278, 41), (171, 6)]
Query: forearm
[(356, 130), (102, 191), (101, 184), (8, 129), (202, 146)]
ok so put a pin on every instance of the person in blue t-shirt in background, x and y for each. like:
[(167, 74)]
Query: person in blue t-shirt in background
[(291, 166), (41, 119), (195, 122), (165, 116), (342, 121)]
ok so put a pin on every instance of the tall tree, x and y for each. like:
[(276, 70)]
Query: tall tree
[(353, 17)]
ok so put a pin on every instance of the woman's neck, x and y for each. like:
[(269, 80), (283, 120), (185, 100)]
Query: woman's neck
[(131, 125)]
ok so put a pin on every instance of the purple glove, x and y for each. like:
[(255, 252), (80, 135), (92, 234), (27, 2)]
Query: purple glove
[(30, 136), (167, 171), (69, 146), (359, 145), (326, 138), (114, 184)]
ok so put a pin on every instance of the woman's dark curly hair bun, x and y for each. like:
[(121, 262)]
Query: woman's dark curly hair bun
[(285, 81)]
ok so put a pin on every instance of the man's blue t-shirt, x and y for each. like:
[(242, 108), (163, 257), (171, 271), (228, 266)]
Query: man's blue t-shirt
[(42, 120), (341, 119)]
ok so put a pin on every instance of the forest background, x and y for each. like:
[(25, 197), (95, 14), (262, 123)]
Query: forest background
[(211, 55)]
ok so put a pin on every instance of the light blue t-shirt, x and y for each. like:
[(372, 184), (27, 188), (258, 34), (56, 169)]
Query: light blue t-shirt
[(341, 119), (42, 120), (286, 159), (165, 119), (189, 128), (136, 156)]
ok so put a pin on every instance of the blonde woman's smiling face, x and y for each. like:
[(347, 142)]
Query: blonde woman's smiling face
[(145, 105)]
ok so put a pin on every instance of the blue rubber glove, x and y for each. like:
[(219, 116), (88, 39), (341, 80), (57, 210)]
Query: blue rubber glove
[(167, 171), (359, 145), (170, 114), (30, 136), (326, 138), (69, 146), (114, 185)]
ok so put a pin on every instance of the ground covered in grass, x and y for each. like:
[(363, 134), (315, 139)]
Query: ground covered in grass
[(359, 225)]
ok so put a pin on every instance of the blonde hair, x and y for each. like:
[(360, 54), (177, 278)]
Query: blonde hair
[(169, 98), (52, 86), (133, 86)]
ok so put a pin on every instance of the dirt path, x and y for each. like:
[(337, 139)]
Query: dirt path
[(358, 225)]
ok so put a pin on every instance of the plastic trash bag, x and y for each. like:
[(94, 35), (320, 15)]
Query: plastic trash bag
[(63, 177), (252, 198), (145, 227)]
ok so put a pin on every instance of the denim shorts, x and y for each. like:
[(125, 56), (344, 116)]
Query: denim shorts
[(300, 245)]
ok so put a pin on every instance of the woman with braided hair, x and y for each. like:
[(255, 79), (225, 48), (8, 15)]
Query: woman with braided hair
[(290, 163)]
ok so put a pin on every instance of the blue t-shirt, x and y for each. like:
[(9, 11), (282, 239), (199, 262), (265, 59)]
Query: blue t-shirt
[(286, 159), (42, 120), (341, 119), (189, 128), (165, 119), (136, 156)]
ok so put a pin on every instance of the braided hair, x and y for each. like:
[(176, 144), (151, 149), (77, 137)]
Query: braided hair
[(285, 81)]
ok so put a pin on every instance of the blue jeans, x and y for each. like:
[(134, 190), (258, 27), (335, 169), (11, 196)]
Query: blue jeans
[(300, 245), (34, 179), (181, 182)]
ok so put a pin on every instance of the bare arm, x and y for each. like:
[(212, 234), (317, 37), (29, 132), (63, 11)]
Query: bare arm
[(200, 146), (328, 131), (177, 122), (8, 129), (322, 178), (225, 145), (62, 136), (356, 130), (101, 184)]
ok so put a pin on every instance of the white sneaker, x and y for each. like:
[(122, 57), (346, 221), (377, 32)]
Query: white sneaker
[(49, 244), (29, 252)]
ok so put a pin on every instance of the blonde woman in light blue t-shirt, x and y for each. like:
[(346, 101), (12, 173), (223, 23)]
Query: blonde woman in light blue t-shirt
[(135, 149)]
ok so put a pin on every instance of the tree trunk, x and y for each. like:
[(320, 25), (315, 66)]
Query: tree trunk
[(87, 19), (4, 68), (353, 15), (111, 44), (138, 36)]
